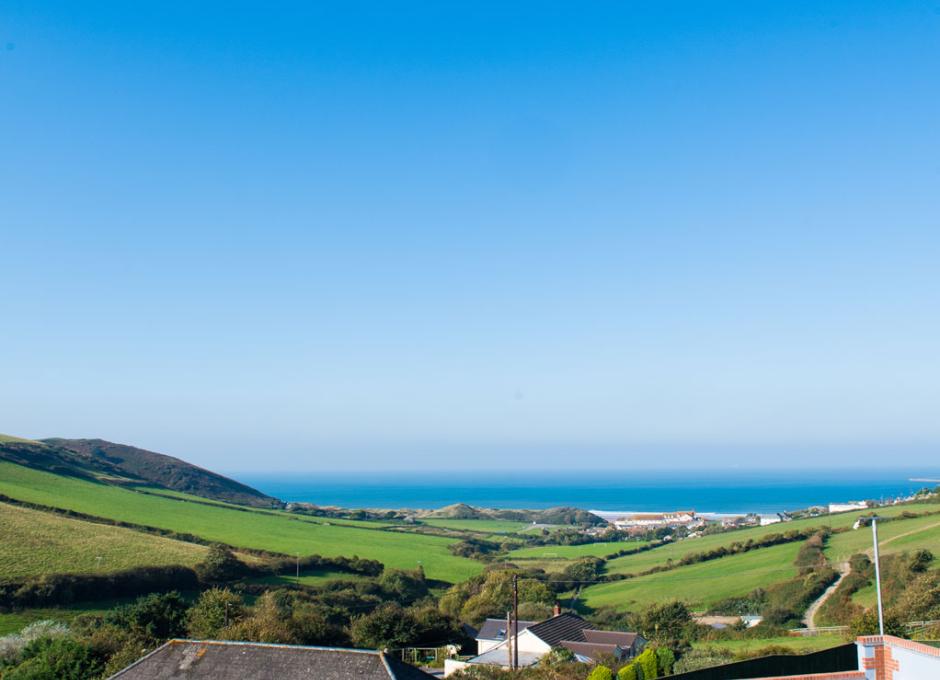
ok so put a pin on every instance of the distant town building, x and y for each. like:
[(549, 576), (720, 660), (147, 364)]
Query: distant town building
[(653, 520), (846, 507)]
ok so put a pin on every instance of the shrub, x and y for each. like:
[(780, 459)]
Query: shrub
[(57, 657), (156, 616), (628, 672), (665, 660), (648, 664), (215, 609), (601, 673), (220, 565)]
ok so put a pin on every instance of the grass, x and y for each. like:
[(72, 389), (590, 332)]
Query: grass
[(896, 536), (484, 526), (573, 552), (632, 564), (37, 543), (273, 531), (10, 438), (700, 585), (14, 621), (313, 579), (803, 645)]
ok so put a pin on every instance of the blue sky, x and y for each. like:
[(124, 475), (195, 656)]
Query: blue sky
[(447, 235)]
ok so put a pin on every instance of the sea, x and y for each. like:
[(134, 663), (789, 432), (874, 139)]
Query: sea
[(705, 491)]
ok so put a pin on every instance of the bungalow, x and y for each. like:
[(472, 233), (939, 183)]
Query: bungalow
[(212, 660), (568, 631)]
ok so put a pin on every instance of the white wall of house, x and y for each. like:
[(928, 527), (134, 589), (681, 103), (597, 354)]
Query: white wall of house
[(487, 645), (528, 642)]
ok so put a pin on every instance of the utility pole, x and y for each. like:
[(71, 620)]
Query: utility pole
[(881, 617), (509, 638), (515, 621)]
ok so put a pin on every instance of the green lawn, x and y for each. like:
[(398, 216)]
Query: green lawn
[(801, 644), (485, 526), (573, 552), (268, 531), (700, 585), (632, 564), (37, 543)]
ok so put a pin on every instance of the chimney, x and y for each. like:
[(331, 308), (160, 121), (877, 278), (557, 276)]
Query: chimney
[(556, 610)]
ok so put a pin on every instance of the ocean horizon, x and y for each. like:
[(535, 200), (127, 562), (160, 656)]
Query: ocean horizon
[(718, 492)]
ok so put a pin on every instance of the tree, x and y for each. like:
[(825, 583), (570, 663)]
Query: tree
[(405, 587), (669, 624), (601, 672), (214, 610), (388, 626), (157, 616), (219, 566)]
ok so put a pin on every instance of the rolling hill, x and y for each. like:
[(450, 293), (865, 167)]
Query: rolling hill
[(100, 460)]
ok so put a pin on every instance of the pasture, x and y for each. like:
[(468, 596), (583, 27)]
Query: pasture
[(800, 644), (573, 552), (896, 536), (274, 531), (483, 526), (699, 585), (36, 543), (633, 564)]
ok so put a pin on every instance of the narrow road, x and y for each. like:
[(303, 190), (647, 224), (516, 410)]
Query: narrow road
[(809, 617)]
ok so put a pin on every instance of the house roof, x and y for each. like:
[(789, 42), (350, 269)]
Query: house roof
[(591, 650), (202, 660), (610, 637), (562, 627), (495, 629), (499, 656)]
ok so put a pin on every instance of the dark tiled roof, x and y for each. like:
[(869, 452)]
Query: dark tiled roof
[(495, 629), (610, 637), (561, 627), (194, 660), (592, 650)]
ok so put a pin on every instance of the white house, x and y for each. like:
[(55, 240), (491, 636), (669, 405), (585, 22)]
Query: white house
[(538, 639), (845, 507)]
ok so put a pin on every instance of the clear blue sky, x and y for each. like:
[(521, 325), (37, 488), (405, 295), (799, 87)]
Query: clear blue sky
[(403, 235)]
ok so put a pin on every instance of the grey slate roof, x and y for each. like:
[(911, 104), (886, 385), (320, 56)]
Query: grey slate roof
[(204, 660), (569, 627), (495, 629), (610, 637)]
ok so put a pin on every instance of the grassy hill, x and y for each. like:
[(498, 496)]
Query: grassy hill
[(267, 530), (36, 543), (702, 584), (162, 470)]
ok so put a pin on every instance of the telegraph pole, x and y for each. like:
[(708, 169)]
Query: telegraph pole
[(515, 620), (874, 534), (509, 638)]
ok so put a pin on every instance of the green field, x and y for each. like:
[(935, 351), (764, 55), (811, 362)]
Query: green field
[(633, 564), (13, 622), (896, 536), (801, 644), (700, 585), (37, 543), (11, 438), (273, 531), (573, 552), (309, 579), (484, 526)]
